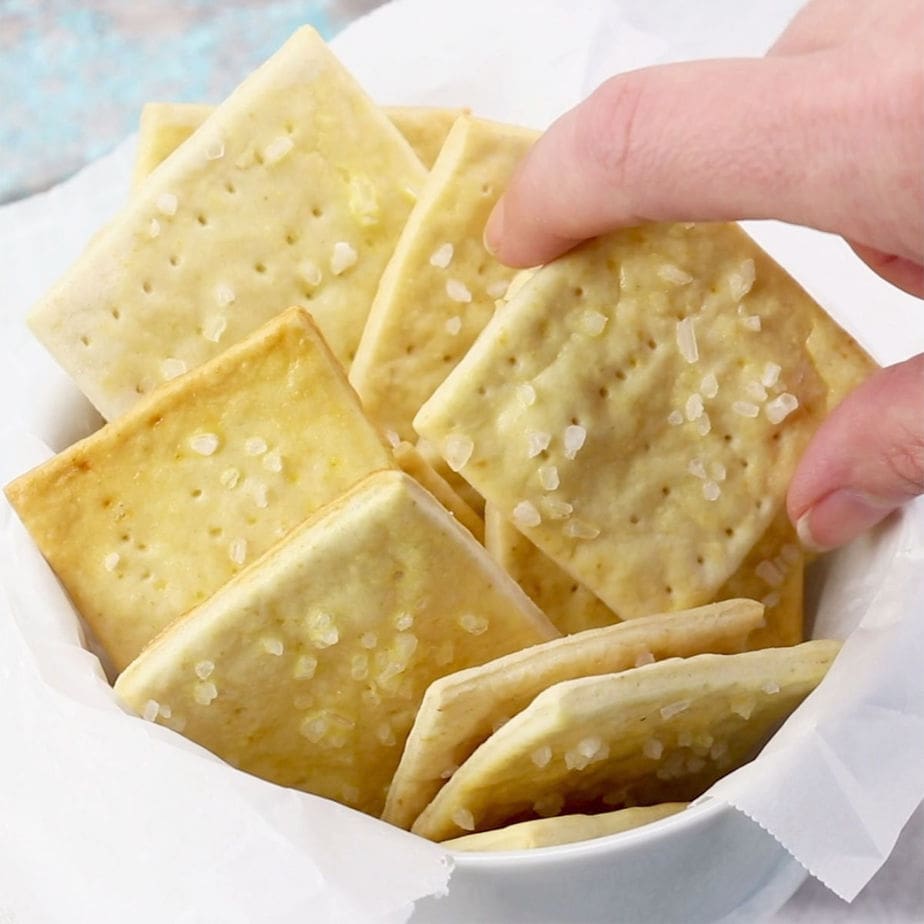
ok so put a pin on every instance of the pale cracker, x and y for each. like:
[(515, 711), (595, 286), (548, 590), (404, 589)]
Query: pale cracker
[(565, 829), (773, 572), (461, 711), (660, 733), (432, 456), (640, 357), (411, 461), (165, 126), (226, 233), (566, 601), (308, 668), (150, 515), (439, 288)]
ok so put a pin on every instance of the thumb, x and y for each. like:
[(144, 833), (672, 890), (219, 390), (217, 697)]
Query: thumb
[(702, 140), (866, 459)]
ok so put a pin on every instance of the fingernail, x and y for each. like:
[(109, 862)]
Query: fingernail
[(494, 229), (839, 517)]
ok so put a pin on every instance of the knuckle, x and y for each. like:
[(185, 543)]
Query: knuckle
[(904, 462)]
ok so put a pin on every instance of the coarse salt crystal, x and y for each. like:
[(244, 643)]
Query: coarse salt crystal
[(111, 561), (537, 442), (314, 727), (498, 288), (769, 573), (686, 340), (166, 712), (549, 804), (741, 281), (463, 818), (214, 328), (643, 658), (717, 470), (229, 478), (458, 291), (555, 509), (527, 394), (744, 708), (305, 667), (751, 322), (204, 669), (548, 477), (359, 666), (526, 515), (672, 709), (574, 438), (277, 149), (653, 749), (709, 386), (204, 443), (259, 494), (154, 228), (385, 734), (343, 257), (745, 409), (685, 739), (321, 629), (675, 418), (592, 322), (580, 529), (771, 600), (237, 550), (215, 151), (697, 468), (272, 461), (693, 409), (403, 621), (771, 375), (205, 692), (541, 756), (591, 747), (170, 368), (449, 771), (224, 295), (703, 425), (151, 708), (368, 640), (473, 623), (255, 446), (790, 553), (770, 687), (310, 272), (457, 450), (695, 764), (453, 325), (574, 760), (756, 391), (711, 491), (674, 274), (166, 203), (780, 407), (273, 646), (442, 256)]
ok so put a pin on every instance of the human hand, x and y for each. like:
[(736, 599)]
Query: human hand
[(827, 131)]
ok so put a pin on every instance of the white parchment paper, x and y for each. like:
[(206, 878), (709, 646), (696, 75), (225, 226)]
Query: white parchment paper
[(133, 819)]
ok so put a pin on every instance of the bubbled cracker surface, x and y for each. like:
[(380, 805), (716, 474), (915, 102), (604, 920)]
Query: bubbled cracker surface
[(293, 192), (439, 288), (566, 601), (152, 514), (679, 468), (461, 711), (320, 654), (661, 733)]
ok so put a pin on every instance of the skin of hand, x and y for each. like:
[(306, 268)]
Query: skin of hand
[(826, 131)]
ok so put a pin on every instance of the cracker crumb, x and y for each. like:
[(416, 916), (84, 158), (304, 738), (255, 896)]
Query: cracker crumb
[(745, 409), (204, 444), (274, 646), (537, 442), (686, 340), (237, 550), (453, 325), (541, 756), (457, 450), (673, 274), (277, 149), (781, 407), (166, 203), (458, 291), (255, 446), (675, 418), (343, 257), (709, 386), (770, 375), (442, 256), (111, 561), (526, 515), (580, 529), (150, 711), (204, 692), (548, 477), (171, 368), (711, 491), (463, 818), (574, 438)]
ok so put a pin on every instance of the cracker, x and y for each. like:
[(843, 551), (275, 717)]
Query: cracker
[(566, 829), (660, 733), (152, 514), (227, 232), (461, 711), (773, 572), (567, 602), (165, 126), (162, 128), (308, 668), (439, 288), (411, 461), (666, 373), (433, 458)]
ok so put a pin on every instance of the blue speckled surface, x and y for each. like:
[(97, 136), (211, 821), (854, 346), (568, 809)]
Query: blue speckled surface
[(73, 76)]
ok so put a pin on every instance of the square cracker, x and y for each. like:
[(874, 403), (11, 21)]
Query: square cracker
[(152, 514), (165, 126), (439, 288), (460, 711), (293, 191), (308, 668), (664, 732), (566, 601), (651, 393)]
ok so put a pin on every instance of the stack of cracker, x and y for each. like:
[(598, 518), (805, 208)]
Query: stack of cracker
[(501, 559)]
